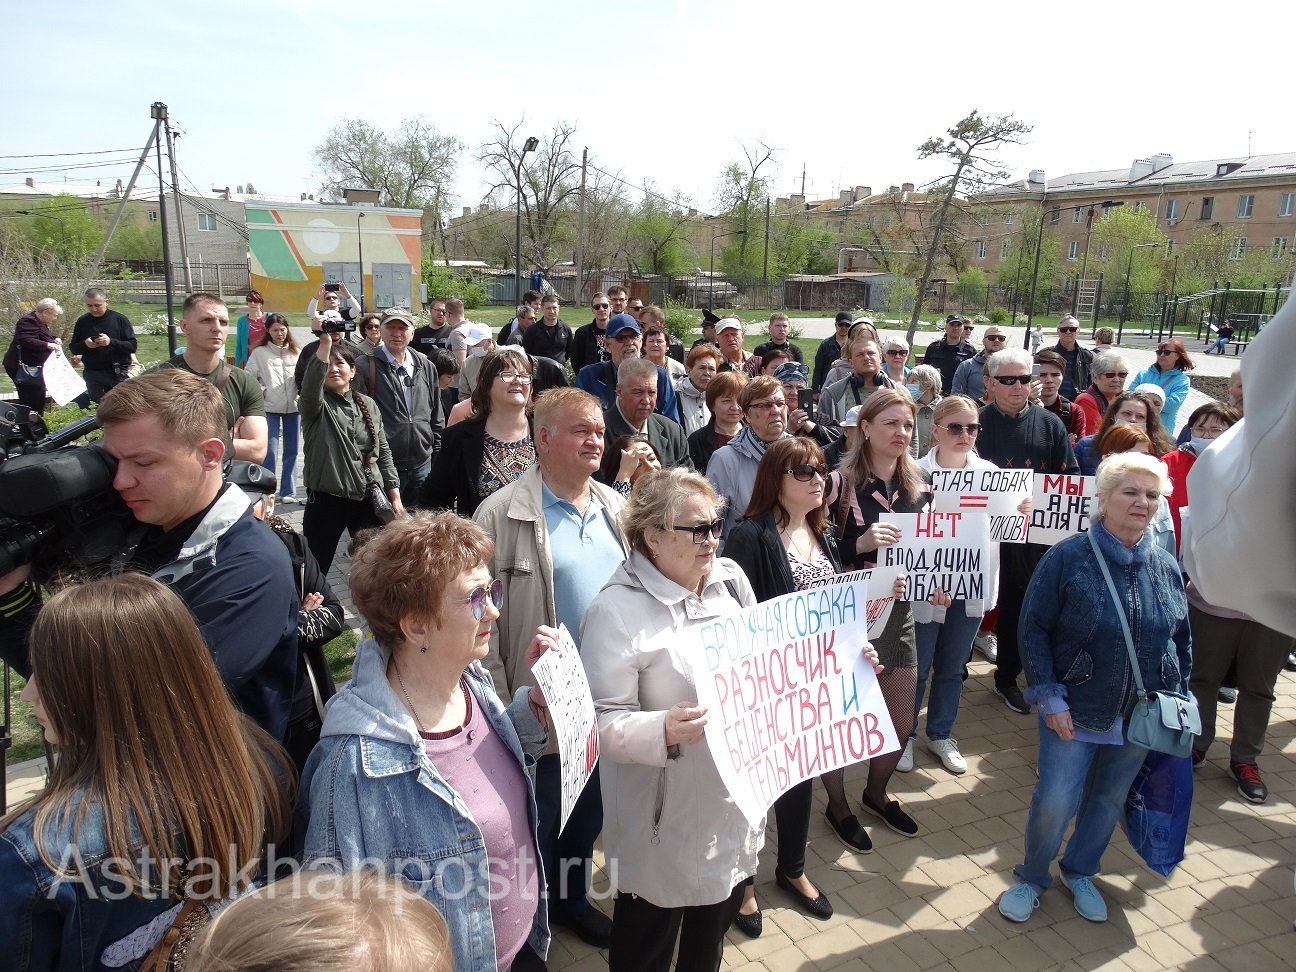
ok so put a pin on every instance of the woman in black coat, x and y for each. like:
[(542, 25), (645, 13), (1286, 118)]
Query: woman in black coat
[(726, 418), (32, 343)]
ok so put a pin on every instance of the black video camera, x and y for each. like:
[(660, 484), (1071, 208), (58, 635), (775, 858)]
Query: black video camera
[(331, 322), (58, 509)]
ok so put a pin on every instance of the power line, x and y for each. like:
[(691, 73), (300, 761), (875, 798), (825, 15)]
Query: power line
[(60, 155)]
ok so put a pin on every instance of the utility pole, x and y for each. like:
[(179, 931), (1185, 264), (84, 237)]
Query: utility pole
[(765, 261), (175, 192), (158, 111), (580, 230), (803, 180)]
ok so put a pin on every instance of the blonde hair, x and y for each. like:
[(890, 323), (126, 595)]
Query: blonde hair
[(658, 498), (950, 404), (1113, 470), (189, 408), (133, 696), (322, 921)]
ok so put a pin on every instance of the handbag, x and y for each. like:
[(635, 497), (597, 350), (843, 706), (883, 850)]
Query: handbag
[(29, 375), (1162, 721), (169, 954), (1157, 811), (378, 501)]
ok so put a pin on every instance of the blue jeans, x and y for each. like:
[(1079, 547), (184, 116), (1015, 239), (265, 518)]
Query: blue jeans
[(288, 423), (566, 856), (1219, 345), (411, 484), (943, 650), (1087, 781)]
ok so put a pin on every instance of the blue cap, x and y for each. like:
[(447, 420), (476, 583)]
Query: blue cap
[(621, 322)]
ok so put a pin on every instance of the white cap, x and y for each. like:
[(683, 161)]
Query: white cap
[(476, 333), (1148, 388), (727, 323), (852, 417)]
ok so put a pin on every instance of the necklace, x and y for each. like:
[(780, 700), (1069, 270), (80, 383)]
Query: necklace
[(791, 537), (419, 722)]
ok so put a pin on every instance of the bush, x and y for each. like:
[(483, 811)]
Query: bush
[(443, 282), (680, 320), (63, 415), (997, 315)]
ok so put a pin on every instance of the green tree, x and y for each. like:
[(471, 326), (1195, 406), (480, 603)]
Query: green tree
[(655, 240), (59, 225), (1017, 269), (135, 242), (798, 246), (741, 199), (971, 286), (969, 145), (1125, 239)]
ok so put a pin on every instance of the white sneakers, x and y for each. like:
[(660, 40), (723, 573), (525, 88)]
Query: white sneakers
[(948, 752), (988, 645), (906, 758)]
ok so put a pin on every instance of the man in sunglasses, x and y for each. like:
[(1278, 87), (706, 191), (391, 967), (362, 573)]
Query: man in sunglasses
[(969, 379), (589, 343), (950, 351), (557, 541), (1079, 361), (1018, 435)]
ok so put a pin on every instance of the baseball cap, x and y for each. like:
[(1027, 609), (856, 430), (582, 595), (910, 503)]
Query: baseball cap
[(852, 417), (842, 318), (1147, 388), (728, 323), (863, 320), (475, 333), (255, 480), (398, 314), (621, 322)]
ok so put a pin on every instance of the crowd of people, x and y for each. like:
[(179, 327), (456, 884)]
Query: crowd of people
[(604, 479)]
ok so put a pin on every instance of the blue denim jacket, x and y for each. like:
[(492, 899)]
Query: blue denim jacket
[(374, 796), (1072, 646), (80, 920)]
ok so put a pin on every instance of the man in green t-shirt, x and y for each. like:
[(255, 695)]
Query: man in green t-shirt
[(205, 322)]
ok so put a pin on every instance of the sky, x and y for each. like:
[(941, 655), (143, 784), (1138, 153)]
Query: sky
[(666, 91)]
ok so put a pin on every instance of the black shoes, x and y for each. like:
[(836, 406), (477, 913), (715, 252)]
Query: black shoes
[(750, 925), (1013, 698), (819, 907), (850, 833), (590, 925), (1250, 786), (892, 816)]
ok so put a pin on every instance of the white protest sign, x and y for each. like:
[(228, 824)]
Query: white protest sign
[(879, 583), (1062, 506), (996, 492), (561, 677), (940, 551), (789, 692), (61, 380)]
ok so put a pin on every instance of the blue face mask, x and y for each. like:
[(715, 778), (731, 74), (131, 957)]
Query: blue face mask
[(914, 391), (1200, 445)]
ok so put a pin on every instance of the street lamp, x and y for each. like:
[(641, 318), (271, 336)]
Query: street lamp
[(711, 282), (1106, 208), (360, 251), (1129, 269), (529, 146)]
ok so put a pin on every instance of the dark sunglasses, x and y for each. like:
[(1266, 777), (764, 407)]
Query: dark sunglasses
[(703, 530), (478, 598), (601, 306), (1067, 330), (805, 472), (995, 337), (635, 307), (1109, 375), (958, 428), (898, 351), (1013, 379), (1166, 351)]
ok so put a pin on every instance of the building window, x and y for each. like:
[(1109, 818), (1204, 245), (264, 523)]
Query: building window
[(1077, 214), (152, 216), (207, 222), (983, 219), (1246, 203), (1287, 204), (1279, 247), (1237, 248), (1003, 250), (1139, 207), (1207, 207), (1073, 250), (1010, 218), (981, 250), (1172, 209)]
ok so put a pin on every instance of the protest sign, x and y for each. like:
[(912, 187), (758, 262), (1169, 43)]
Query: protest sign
[(996, 492), (940, 551), (878, 582), (561, 677), (62, 383), (789, 692), (1061, 507)]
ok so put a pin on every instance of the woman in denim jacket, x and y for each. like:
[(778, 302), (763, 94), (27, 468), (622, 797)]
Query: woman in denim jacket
[(1078, 669), (161, 785), (420, 769)]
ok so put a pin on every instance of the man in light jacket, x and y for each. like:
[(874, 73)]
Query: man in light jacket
[(557, 541)]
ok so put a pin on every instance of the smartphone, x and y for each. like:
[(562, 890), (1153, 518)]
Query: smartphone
[(805, 402), (332, 288), (1034, 371)]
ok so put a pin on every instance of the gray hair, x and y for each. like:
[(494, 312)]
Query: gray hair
[(1067, 317), (926, 377), (1108, 361), (634, 368), (1009, 356), (48, 303), (1119, 466), (896, 342), (657, 500), (94, 292), (524, 309)]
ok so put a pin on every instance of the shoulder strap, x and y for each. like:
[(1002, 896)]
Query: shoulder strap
[(224, 376), (732, 585), (1120, 611), (843, 502)]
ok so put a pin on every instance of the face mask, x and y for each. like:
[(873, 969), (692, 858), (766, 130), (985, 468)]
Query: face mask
[(479, 351), (1200, 445), (914, 391), (1137, 425)]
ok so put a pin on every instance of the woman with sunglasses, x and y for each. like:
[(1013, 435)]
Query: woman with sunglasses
[(419, 764), (783, 545), (683, 848), (1107, 379), (484, 454), (370, 331), (1170, 372)]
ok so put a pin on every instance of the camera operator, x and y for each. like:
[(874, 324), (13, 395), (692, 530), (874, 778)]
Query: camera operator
[(205, 322), (105, 341), (167, 431)]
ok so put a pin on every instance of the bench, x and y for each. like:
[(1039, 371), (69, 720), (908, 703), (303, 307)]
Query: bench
[(1239, 346)]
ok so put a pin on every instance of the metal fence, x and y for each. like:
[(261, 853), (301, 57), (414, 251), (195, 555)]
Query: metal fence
[(146, 280)]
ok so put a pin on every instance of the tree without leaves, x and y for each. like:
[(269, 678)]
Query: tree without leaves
[(655, 240), (969, 146)]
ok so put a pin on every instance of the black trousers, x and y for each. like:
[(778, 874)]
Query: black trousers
[(1016, 567), (644, 935), (792, 818), (33, 396), (98, 383), (327, 517)]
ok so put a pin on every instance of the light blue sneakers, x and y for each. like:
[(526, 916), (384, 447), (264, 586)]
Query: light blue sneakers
[(1018, 902), (1089, 901)]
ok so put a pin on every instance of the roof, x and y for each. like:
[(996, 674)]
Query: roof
[(1236, 168), (142, 192)]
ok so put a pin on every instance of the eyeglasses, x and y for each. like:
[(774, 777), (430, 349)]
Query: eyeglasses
[(806, 472), (1161, 351), (1122, 375), (511, 376), (898, 351), (995, 337), (600, 306), (1211, 433), (478, 598), (636, 307), (1013, 379), (1067, 330), (968, 327), (768, 406), (702, 530), (958, 428)]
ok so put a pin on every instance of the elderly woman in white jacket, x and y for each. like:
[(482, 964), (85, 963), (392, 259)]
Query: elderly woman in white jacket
[(682, 847), (272, 363)]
